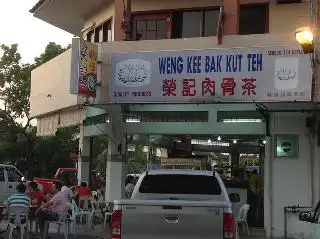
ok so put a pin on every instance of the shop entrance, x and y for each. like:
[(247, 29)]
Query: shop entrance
[(237, 158)]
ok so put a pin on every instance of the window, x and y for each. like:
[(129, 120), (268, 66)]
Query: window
[(210, 24), (13, 175), (253, 19), (180, 184), (191, 24), (150, 27), (187, 24), (102, 33), (2, 178), (288, 1), (90, 36)]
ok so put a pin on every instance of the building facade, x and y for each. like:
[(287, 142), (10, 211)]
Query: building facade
[(192, 40)]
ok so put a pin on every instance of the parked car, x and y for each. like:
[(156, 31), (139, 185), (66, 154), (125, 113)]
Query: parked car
[(71, 174), (175, 204), (10, 177)]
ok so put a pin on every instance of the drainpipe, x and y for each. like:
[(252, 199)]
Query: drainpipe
[(220, 23), (314, 65)]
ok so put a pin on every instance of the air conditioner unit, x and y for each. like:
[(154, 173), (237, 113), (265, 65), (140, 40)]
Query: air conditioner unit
[(288, 1)]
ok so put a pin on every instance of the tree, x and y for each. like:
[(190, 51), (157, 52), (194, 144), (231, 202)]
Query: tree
[(53, 152), (51, 51), (16, 131)]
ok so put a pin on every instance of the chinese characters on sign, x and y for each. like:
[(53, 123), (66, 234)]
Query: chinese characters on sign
[(248, 74), (208, 87), (84, 67)]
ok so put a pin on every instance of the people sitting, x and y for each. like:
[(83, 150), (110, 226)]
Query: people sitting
[(35, 195), (19, 199), (66, 189), (52, 210), (83, 190)]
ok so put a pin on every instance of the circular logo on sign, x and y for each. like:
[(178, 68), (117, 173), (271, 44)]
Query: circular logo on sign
[(286, 146), (133, 73), (91, 81)]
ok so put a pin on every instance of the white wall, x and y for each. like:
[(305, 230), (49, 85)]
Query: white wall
[(291, 178)]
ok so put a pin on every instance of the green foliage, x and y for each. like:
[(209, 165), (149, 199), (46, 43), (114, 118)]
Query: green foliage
[(100, 154), (51, 51), (53, 152), (18, 142)]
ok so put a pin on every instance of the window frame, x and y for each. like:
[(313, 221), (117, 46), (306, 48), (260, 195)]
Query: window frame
[(167, 13), (149, 17), (92, 34), (147, 185), (154, 15), (253, 5)]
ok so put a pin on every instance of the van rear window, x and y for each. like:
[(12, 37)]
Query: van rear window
[(180, 184)]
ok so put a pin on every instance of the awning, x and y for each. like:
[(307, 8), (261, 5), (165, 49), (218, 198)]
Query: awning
[(68, 15), (48, 125)]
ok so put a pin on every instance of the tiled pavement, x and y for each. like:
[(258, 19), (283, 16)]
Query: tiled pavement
[(99, 232)]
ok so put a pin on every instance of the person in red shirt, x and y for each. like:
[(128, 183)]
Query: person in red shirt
[(36, 196), (83, 190)]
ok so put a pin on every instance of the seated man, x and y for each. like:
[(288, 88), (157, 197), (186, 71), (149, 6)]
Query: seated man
[(52, 210), (19, 199), (36, 196), (66, 189), (83, 190)]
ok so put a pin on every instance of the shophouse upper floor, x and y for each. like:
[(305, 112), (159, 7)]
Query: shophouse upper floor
[(155, 26)]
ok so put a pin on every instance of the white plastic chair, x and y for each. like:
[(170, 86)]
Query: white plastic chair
[(95, 210), (94, 194), (62, 221), (20, 215), (84, 210), (242, 218), (107, 214), (73, 218), (100, 195)]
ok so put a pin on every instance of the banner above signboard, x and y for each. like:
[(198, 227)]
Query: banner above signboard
[(83, 67), (216, 75)]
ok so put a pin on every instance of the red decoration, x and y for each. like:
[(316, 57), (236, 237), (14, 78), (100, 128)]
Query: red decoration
[(75, 154)]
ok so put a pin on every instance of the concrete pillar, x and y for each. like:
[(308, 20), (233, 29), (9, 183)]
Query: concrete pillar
[(122, 15), (84, 157), (231, 17), (317, 162), (268, 186), (116, 164), (115, 173), (235, 155)]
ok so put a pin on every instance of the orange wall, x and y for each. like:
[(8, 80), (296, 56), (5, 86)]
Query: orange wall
[(282, 18)]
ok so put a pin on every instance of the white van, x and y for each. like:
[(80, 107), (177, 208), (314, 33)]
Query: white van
[(10, 177)]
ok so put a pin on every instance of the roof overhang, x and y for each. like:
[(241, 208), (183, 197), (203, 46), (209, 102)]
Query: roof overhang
[(68, 15)]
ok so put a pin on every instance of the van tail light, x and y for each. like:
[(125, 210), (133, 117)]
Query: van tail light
[(229, 226), (116, 224)]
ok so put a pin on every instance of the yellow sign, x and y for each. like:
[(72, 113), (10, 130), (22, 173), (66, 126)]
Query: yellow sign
[(88, 57)]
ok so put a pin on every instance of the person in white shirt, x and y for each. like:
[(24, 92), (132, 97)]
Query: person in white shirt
[(66, 189)]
